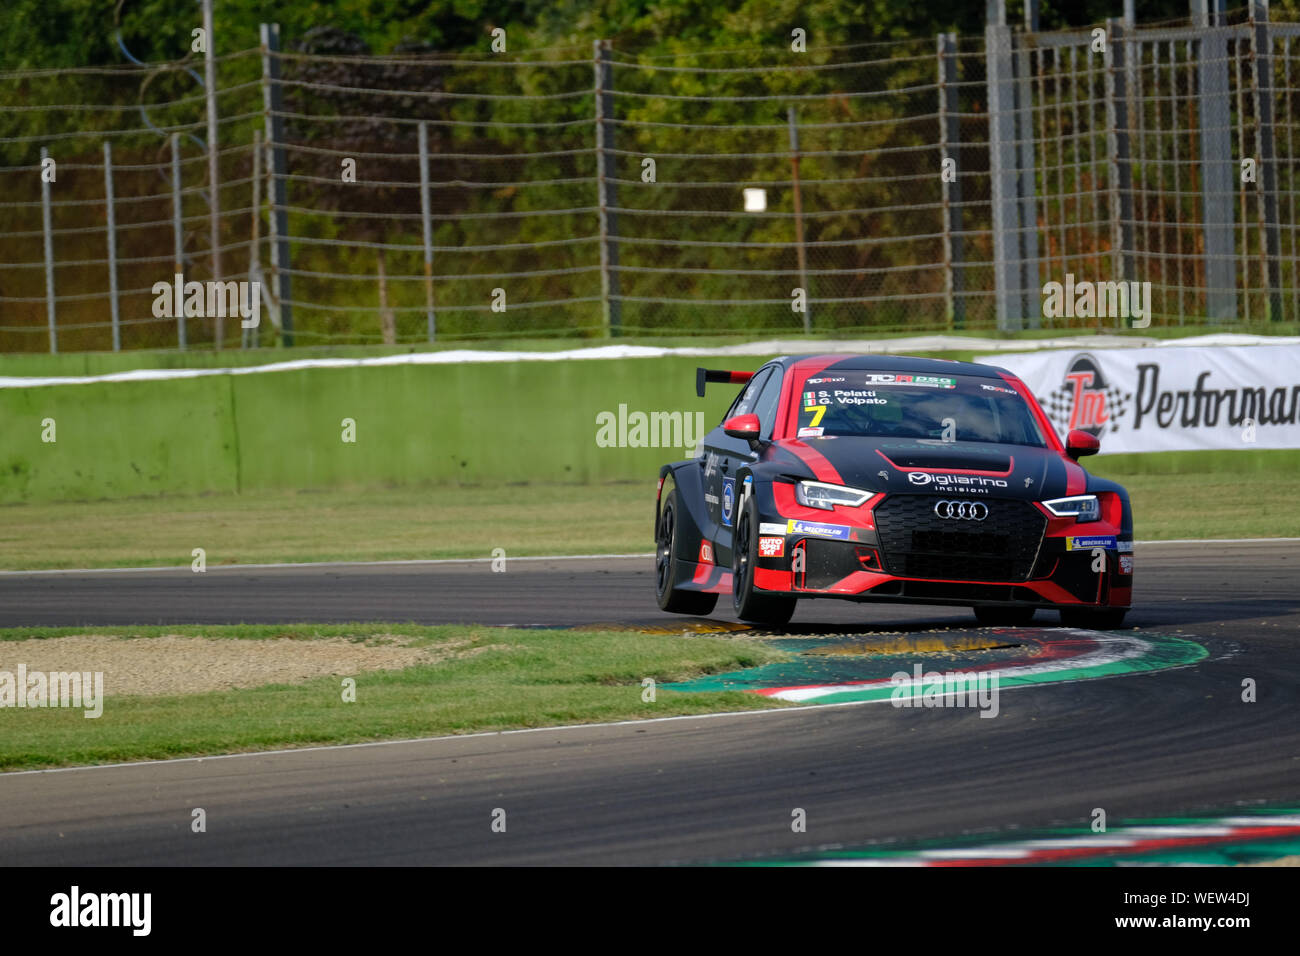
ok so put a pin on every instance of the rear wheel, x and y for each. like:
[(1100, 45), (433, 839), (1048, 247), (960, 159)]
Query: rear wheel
[(772, 610), (994, 616), (666, 565), (1106, 619)]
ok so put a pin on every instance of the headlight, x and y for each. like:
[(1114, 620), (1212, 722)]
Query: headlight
[(1081, 508), (817, 494)]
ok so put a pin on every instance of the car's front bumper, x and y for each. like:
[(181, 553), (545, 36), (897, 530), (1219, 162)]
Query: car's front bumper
[(899, 551)]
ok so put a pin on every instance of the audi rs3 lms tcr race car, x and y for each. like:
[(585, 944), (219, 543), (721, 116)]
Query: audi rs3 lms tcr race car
[(873, 478)]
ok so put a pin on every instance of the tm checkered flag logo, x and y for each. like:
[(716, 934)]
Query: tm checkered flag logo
[(1085, 400)]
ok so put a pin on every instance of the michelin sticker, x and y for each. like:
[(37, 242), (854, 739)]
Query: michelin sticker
[(728, 500), (1087, 544), (820, 530)]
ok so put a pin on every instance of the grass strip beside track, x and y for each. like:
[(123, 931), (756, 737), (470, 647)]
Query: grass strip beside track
[(493, 679), (524, 519)]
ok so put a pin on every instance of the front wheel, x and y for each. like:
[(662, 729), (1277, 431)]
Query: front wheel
[(671, 598), (772, 610)]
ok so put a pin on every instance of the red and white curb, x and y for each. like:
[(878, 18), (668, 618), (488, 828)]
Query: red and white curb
[(1085, 651), (1122, 841)]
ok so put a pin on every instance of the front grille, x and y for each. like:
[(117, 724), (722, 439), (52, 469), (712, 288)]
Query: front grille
[(919, 544)]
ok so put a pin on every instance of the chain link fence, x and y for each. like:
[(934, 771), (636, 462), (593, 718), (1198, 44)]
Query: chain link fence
[(589, 192)]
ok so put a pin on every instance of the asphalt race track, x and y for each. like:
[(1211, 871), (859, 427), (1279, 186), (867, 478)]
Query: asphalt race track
[(1161, 744)]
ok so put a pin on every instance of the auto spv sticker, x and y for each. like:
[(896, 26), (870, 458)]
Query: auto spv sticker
[(771, 547), (728, 500), (820, 530), (1126, 564), (1085, 544)]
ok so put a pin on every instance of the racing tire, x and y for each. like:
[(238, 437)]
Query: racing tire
[(667, 564), (1103, 619), (991, 615), (749, 605)]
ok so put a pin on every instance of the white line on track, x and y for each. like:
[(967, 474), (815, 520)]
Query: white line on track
[(765, 712), (425, 740), (1147, 544), (333, 564), (549, 557)]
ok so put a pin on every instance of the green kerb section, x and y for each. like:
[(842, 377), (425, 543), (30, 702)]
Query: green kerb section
[(1225, 854), (1233, 853), (807, 670)]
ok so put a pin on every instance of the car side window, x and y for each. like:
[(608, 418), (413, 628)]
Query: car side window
[(747, 400), (765, 407)]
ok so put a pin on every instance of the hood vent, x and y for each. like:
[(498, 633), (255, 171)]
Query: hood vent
[(962, 459)]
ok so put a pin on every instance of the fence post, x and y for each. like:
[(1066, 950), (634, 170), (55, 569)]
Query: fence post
[(611, 304), (1121, 166), (49, 252), (1261, 52), (278, 220), (1217, 181), (949, 141), (1031, 303), (250, 336), (111, 221), (214, 175), (1003, 171), (1132, 59), (426, 215), (178, 238), (801, 253)]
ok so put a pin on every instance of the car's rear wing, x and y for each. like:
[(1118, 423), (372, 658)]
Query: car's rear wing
[(703, 375)]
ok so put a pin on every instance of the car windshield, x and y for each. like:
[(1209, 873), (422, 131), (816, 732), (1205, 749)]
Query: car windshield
[(850, 402)]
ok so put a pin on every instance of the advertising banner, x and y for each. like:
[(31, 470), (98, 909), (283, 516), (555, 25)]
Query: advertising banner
[(1168, 398)]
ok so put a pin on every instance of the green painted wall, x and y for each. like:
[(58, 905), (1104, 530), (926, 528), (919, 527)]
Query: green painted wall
[(527, 421), (116, 441)]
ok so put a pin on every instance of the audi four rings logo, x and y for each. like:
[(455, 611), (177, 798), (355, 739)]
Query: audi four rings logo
[(962, 510)]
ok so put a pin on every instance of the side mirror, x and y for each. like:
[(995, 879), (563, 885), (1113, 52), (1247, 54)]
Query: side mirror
[(744, 427), (1079, 443)]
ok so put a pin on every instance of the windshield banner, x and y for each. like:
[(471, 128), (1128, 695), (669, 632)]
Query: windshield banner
[(1168, 399)]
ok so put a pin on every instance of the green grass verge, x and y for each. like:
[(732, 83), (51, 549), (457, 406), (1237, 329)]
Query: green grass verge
[(523, 678), (357, 525), (470, 522)]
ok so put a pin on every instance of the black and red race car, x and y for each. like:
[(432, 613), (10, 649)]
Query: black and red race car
[(874, 478)]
